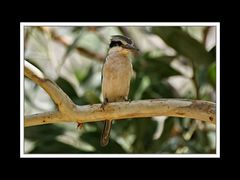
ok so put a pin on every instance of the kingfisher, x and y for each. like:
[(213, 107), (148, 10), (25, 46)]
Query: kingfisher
[(117, 72)]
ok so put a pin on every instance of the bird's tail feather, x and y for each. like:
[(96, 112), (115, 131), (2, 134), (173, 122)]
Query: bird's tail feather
[(106, 133)]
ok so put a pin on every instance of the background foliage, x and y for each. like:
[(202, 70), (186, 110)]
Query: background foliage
[(174, 62)]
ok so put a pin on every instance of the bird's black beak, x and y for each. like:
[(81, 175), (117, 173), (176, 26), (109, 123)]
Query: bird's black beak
[(131, 47)]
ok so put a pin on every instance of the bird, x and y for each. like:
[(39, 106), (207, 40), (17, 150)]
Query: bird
[(116, 76)]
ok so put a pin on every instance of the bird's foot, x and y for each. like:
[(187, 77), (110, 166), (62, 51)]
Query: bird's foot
[(126, 99), (104, 103)]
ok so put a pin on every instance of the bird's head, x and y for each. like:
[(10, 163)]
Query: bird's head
[(122, 43)]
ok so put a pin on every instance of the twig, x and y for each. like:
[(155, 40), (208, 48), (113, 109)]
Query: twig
[(82, 51), (195, 80), (69, 112)]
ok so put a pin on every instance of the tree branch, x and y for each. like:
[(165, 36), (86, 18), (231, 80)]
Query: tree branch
[(197, 109), (69, 112), (80, 50), (63, 102)]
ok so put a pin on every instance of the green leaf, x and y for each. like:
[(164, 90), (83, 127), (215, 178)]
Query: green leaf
[(45, 139), (155, 67), (54, 146), (144, 130), (69, 50), (145, 82), (71, 47), (135, 85), (199, 143), (40, 133), (67, 88), (213, 52), (157, 144), (93, 138), (212, 74), (184, 44), (151, 71), (77, 29), (85, 74), (91, 97), (160, 90)]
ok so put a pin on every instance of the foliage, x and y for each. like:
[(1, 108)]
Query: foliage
[(173, 63)]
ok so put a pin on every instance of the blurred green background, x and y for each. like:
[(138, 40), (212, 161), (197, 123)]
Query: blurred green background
[(174, 62)]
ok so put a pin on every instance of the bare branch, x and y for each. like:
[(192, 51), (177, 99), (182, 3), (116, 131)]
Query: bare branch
[(43, 118), (196, 109), (63, 102), (69, 112)]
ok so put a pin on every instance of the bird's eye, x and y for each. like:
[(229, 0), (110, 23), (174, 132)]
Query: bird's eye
[(115, 43), (119, 43)]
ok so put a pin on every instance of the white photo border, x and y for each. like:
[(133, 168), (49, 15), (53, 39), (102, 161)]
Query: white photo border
[(23, 155)]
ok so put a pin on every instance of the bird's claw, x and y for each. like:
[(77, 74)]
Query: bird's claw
[(126, 99), (104, 103)]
